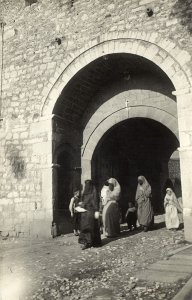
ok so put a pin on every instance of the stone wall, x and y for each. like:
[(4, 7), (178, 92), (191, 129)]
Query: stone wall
[(174, 169), (37, 40), (32, 48), (25, 158)]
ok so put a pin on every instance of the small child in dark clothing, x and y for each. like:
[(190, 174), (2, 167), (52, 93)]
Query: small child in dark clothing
[(74, 214), (131, 216)]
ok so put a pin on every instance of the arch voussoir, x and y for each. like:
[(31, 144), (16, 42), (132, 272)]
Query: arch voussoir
[(153, 113), (169, 57)]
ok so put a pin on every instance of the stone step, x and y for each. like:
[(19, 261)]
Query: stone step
[(181, 250), (178, 262), (187, 251), (171, 267), (182, 256), (103, 294), (161, 276), (186, 292)]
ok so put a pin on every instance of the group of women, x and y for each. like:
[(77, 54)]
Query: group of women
[(107, 206)]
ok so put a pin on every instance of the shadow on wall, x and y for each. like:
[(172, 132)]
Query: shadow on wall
[(183, 11)]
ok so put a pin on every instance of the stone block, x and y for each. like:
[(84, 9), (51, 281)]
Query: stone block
[(144, 2), (41, 228), (4, 233), (6, 227), (24, 135), (13, 194), (172, 22), (22, 216), (13, 234), (187, 228), (41, 147), (32, 206), (39, 215), (171, 268), (161, 276), (9, 33), (18, 200)]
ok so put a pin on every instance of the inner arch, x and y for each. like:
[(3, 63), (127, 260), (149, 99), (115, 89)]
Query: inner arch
[(134, 147)]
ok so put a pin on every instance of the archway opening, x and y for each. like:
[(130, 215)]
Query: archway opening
[(66, 176), (105, 77), (137, 146), (89, 89)]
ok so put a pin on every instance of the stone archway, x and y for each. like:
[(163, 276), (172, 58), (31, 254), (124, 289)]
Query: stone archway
[(164, 53), (169, 58), (125, 106)]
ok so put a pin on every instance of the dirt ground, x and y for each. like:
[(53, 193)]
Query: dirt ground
[(59, 269)]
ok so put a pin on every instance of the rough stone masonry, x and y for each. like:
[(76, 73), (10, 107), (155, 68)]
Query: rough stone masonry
[(39, 42)]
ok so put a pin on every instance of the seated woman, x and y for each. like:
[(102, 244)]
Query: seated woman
[(131, 216), (111, 214), (171, 210)]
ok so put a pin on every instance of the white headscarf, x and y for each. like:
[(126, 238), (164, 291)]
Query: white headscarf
[(145, 187), (172, 199), (105, 195), (115, 194)]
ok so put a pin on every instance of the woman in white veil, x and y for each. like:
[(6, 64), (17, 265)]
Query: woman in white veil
[(111, 214), (172, 206), (143, 200)]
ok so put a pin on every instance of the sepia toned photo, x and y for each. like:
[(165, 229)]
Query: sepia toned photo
[(95, 149)]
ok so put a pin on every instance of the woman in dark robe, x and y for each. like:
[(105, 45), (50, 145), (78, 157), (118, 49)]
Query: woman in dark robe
[(111, 213), (144, 208), (89, 229)]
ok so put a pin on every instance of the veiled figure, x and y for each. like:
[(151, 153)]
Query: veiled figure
[(89, 229), (143, 201), (111, 213), (172, 206)]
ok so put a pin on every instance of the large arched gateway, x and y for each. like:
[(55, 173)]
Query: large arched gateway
[(124, 91)]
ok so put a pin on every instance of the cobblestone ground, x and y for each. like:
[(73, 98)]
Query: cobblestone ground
[(59, 269)]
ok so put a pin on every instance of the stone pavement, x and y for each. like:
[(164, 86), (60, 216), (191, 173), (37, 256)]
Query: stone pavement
[(58, 269), (176, 267)]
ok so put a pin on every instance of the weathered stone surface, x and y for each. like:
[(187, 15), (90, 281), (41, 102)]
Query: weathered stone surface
[(162, 276), (59, 269), (172, 268), (40, 42), (177, 267)]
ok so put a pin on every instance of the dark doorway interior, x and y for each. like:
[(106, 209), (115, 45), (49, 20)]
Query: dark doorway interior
[(135, 147), (67, 180)]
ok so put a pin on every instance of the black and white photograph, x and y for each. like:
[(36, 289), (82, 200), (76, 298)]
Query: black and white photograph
[(95, 149)]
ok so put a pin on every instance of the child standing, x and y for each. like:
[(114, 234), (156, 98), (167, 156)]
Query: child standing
[(74, 214), (131, 216)]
